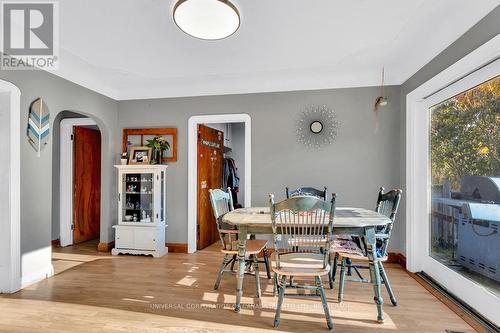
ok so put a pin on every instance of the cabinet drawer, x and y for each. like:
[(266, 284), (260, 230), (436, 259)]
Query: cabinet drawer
[(145, 239), (124, 238)]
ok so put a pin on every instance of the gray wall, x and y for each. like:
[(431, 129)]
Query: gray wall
[(479, 34), (36, 172), (354, 166)]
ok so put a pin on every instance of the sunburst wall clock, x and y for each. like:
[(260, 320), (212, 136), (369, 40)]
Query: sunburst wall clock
[(317, 126)]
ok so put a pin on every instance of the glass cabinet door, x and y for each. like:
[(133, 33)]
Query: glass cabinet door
[(137, 200)]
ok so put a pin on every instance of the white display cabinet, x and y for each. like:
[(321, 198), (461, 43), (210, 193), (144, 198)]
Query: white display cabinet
[(142, 202)]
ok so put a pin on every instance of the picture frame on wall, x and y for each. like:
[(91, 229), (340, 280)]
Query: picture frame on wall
[(140, 155), (139, 136)]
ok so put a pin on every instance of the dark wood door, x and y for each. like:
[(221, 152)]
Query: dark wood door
[(87, 184), (210, 168)]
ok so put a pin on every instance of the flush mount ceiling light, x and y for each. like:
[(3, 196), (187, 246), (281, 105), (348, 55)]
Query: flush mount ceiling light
[(207, 19)]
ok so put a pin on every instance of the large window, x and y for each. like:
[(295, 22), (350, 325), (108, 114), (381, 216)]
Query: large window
[(465, 175), (453, 179)]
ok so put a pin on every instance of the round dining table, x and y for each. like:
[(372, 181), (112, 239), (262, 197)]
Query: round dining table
[(347, 220)]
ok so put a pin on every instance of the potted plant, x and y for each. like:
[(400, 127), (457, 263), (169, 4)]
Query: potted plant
[(159, 145)]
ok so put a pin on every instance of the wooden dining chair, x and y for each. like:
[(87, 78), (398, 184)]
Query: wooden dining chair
[(302, 226), (305, 190), (222, 203), (347, 250), (322, 194)]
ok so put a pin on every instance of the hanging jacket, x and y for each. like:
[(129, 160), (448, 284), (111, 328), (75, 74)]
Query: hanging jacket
[(230, 175)]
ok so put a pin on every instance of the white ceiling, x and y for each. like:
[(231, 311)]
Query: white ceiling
[(131, 49)]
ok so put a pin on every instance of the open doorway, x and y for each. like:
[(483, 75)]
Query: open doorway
[(234, 143), (80, 182), (221, 160)]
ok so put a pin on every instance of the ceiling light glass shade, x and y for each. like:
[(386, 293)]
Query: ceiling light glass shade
[(207, 19)]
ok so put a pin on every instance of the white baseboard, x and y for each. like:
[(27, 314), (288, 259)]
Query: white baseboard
[(36, 265), (36, 276)]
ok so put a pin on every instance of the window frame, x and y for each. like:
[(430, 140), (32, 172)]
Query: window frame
[(477, 67)]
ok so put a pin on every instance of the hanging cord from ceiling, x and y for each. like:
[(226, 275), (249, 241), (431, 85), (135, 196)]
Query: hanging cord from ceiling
[(379, 101)]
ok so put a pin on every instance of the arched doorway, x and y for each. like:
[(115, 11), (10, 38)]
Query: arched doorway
[(77, 173)]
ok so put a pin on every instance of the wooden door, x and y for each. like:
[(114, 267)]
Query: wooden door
[(210, 168), (87, 184)]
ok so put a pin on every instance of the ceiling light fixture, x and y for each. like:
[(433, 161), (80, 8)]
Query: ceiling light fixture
[(207, 19), (382, 99)]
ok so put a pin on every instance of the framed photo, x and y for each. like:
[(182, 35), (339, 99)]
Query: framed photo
[(140, 155), (139, 136)]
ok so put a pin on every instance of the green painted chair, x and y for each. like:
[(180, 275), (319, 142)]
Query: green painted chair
[(306, 190), (222, 203), (302, 226), (347, 250), (322, 194)]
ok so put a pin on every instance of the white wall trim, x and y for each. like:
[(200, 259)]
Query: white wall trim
[(193, 165), (66, 177), (34, 277), (460, 76), (39, 265), (10, 272)]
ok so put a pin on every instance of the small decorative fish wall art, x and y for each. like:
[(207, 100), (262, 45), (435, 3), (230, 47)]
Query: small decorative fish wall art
[(38, 125)]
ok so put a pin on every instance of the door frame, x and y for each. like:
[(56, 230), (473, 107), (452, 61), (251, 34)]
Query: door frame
[(66, 177), (10, 237), (193, 123), (471, 70)]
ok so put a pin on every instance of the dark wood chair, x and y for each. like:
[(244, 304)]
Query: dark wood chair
[(347, 250), (301, 237)]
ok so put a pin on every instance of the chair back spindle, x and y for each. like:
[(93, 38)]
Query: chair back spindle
[(302, 224), (387, 204)]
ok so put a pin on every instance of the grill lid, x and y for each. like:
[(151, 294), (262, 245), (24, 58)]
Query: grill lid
[(484, 189), (481, 211)]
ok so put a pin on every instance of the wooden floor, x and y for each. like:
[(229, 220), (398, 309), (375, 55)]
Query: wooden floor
[(94, 292)]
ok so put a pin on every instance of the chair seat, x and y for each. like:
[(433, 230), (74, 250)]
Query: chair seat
[(349, 249), (254, 246), (345, 247), (299, 264), (343, 236)]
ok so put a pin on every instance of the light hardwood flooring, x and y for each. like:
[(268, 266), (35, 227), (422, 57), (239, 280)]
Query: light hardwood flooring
[(94, 292)]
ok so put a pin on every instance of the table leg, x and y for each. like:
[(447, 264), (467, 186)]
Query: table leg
[(374, 272), (242, 243)]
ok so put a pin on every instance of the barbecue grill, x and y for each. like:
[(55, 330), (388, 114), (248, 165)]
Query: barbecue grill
[(478, 246)]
